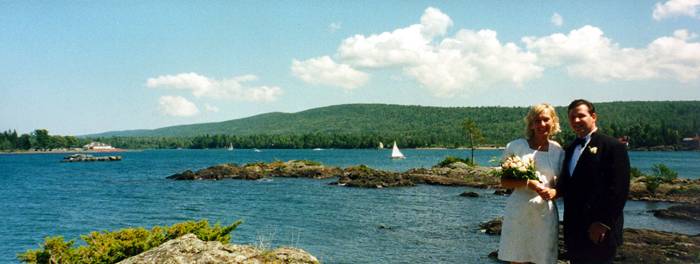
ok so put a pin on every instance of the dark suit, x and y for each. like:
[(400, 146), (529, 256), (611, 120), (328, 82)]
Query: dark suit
[(596, 192)]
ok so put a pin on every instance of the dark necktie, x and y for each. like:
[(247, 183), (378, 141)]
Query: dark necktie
[(579, 141)]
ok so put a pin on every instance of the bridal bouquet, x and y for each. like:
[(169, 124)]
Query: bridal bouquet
[(513, 167)]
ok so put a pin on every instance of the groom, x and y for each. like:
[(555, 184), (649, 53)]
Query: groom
[(594, 184)]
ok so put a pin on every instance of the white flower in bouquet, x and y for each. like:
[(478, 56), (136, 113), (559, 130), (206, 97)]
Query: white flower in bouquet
[(513, 167)]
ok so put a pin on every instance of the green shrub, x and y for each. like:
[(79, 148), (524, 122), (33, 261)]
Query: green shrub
[(112, 247), (635, 173), (55, 250), (664, 173), (652, 183), (451, 159)]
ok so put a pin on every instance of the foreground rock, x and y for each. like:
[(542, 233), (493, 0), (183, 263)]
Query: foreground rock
[(639, 246), (690, 212), (254, 171), (189, 249)]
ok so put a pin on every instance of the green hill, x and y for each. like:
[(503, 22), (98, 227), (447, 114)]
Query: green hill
[(647, 123)]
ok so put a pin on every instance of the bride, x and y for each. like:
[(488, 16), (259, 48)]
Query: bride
[(531, 223)]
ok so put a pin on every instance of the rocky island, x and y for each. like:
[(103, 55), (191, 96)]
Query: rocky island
[(683, 191), (448, 174), (259, 170)]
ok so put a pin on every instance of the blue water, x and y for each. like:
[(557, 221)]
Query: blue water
[(44, 197)]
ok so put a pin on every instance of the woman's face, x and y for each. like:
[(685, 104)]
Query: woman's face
[(542, 124)]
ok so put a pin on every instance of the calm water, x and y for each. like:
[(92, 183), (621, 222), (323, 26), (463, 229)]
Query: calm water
[(44, 197)]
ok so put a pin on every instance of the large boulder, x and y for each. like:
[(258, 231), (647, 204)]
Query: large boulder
[(189, 249)]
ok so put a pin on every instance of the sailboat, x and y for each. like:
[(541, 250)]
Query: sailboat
[(230, 147), (381, 145), (396, 153)]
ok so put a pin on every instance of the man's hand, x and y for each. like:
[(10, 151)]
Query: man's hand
[(545, 192), (597, 232)]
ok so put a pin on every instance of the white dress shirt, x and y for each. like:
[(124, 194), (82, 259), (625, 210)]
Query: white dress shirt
[(578, 150)]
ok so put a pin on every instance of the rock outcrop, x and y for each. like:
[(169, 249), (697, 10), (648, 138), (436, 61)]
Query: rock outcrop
[(678, 190), (254, 171), (363, 176), (690, 212), (455, 174), (189, 249)]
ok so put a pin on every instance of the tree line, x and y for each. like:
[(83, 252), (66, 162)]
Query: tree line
[(38, 139), (646, 124)]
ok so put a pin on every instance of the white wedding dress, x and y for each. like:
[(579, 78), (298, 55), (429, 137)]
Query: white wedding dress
[(531, 224)]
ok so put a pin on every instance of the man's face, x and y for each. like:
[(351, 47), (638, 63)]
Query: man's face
[(581, 120)]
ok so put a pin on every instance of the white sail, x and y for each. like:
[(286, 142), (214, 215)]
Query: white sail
[(230, 147), (396, 153), (381, 145)]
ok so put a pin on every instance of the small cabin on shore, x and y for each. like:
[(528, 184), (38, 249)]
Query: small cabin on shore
[(692, 143), (98, 146)]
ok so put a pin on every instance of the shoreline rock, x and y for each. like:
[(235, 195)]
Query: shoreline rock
[(678, 191), (255, 171), (190, 249), (639, 245), (690, 212), (363, 176)]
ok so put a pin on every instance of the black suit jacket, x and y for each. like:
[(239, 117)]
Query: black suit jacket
[(596, 192)]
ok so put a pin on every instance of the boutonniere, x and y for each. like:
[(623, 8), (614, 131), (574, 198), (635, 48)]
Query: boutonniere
[(593, 150)]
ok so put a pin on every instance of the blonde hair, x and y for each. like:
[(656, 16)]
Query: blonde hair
[(536, 110)]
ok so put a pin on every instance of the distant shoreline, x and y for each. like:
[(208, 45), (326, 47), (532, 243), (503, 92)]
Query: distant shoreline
[(67, 151), (116, 150)]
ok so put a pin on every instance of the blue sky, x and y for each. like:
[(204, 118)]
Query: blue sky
[(79, 67)]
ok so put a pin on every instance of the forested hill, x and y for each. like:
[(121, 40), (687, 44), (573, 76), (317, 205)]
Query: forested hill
[(647, 123)]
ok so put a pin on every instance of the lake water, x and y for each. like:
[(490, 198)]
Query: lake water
[(44, 197)]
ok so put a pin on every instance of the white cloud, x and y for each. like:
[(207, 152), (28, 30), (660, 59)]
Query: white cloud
[(557, 20), (434, 22), (211, 108), (676, 8), (227, 89), (335, 26), (401, 46), (325, 71), (177, 106), (448, 66), (470, 59), (587, 53)]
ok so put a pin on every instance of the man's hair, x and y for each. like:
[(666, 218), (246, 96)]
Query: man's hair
[(577, 102)]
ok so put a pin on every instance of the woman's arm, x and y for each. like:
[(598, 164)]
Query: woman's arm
[(513, 183)]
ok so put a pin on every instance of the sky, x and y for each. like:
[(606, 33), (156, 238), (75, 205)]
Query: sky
[(82, 67)]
